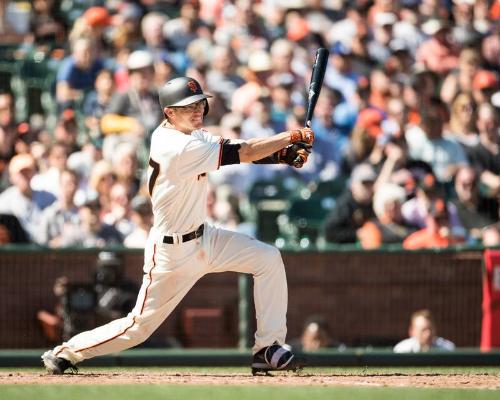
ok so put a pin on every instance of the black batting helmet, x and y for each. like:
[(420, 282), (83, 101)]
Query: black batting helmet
[(181, 92)]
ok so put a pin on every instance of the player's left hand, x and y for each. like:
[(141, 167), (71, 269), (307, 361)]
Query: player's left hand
[(296, 154)]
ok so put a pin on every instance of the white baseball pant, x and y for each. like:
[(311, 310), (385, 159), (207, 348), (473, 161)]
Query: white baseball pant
[(170, 270)]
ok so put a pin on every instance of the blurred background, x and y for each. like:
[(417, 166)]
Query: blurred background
[(390, 232)]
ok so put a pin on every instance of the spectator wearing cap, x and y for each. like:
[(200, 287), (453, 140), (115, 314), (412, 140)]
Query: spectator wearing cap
[(363, 146), (485, 156), (464, 31), (339, 72), (222, 79), (142, 216), (60, 220), (462, 126), (437, 53), (389, 226), (484, 84), (437, 232), (258, 71), (20, 199), (282, 58), (353, 208), (378, 47), (460, 80), (77, 73), (474, 210), (427, 143), (407, 29), (136, 111)]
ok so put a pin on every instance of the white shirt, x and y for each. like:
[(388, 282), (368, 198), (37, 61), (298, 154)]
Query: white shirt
[(411, 345), (179, 191)]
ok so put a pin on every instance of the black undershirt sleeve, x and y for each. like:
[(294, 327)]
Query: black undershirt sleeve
[(230, 153)]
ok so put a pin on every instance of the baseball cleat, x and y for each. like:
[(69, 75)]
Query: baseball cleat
[(276, 358), (56, 365)]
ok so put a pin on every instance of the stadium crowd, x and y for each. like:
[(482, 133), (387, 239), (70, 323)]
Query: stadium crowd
[(408, 116)]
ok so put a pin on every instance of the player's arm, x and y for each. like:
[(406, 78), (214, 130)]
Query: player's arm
[(284, 147)]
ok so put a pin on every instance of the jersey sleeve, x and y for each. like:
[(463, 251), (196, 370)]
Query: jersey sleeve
[(199, 156)]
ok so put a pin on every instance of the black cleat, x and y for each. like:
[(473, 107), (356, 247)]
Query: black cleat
[(56, 365), (276, 358)]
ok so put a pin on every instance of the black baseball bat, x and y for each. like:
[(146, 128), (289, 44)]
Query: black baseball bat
[(317, 75)]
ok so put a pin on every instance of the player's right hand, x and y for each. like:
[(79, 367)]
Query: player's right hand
[(305, 135)]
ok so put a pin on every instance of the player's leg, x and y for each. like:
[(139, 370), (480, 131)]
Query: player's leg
[(232, 251), (166, 281)]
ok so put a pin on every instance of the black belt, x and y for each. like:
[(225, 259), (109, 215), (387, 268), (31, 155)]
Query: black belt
[(187, 237)]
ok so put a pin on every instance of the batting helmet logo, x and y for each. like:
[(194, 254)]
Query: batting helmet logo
[(192, 86)]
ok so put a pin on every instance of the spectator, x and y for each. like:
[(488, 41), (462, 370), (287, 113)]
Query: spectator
[(222, 79), (66, 130), (462, 127), (101, 180), (11, 230), (353, 208), (77, 73), (427, 143), (388, 227), (20, 200), (118, 215), (437, 54), (93, 232), (378, 47), (142, 217), (474, 210), (8, 130), (258, 72), (60, 220), (415, 210), (437, 232), (485, 155), (316, 335), (49, 179), (484, 85), (490, 47), (460, 80), (135, 112), (45, 26), (97, 101), (423, 338)]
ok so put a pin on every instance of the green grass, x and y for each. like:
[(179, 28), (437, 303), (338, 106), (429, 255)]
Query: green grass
[(247, 392), (177, 392)]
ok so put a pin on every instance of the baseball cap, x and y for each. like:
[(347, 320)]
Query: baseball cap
[(298, 30), (371, 119), (340, 48), (484, 79), (20, 162), (139, 59), (259, 61), (434, 25), (385, 18), (363, 173), (97, 16)]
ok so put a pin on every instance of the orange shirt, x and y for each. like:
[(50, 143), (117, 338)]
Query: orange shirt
[(425, 239)]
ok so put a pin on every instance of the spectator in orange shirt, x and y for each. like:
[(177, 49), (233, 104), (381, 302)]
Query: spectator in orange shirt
[(389, 226), (437, 233)]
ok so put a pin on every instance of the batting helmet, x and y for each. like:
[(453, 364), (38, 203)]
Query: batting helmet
[(181, 92)]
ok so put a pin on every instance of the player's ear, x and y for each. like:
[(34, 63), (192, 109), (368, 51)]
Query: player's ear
[(168, 112)]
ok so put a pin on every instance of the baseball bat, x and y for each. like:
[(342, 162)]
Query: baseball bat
[(317, 75)]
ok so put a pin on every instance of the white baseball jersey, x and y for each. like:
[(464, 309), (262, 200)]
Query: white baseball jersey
[(177, 177), (179, 164)]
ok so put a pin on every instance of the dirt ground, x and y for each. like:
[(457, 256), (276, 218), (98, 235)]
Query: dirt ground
[(459, 381)]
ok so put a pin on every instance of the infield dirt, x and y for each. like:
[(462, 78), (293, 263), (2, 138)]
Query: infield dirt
[(456, 381)]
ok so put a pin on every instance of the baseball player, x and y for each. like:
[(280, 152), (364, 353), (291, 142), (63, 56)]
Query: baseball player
[(182, 247)]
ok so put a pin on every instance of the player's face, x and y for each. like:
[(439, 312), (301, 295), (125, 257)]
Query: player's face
[(189, 118)]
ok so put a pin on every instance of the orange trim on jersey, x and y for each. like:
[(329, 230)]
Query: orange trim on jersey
[(133, 319), (220, 152)]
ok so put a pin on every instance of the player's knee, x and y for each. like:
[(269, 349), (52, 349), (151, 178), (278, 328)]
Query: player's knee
[(140, 333)]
